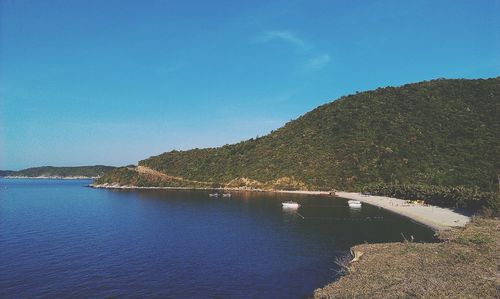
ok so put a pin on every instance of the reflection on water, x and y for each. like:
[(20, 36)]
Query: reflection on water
[(355, 212), (60, 239), (291, 215)]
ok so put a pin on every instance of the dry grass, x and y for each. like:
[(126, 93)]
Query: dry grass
[(463, 265)]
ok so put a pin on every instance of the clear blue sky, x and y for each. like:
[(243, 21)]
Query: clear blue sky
[(112, 82)]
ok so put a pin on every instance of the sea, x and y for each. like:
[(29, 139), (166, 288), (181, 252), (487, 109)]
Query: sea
[(63, 239)]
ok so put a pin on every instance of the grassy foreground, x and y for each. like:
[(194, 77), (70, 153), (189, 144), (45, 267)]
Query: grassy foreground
[(463, 265)]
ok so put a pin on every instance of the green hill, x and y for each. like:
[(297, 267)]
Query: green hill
[(50, 171), (6, 172), (439, 132)]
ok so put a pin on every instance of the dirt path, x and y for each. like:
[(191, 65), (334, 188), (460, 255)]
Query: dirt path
[(155, 173)]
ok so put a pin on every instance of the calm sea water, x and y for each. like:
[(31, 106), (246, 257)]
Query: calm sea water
[(62, 239)]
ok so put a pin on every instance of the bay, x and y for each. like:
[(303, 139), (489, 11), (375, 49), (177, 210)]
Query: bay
[(59, 238)]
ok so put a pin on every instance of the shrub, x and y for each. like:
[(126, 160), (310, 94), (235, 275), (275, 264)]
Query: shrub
[(468, 198)]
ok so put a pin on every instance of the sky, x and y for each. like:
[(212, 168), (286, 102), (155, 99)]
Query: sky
[(113, 82)]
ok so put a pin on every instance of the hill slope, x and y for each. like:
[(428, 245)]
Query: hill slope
[(50, 171), (6, 172), (440, 132)]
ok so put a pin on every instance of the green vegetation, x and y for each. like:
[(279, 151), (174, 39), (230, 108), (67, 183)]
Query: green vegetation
[(436, 133), (49, 171), (478, 239), (6, 172), (455, 197), (128, 176)]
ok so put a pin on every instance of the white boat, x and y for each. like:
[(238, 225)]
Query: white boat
[(354, 203), (226, 195), (213, 195), (290, 204)]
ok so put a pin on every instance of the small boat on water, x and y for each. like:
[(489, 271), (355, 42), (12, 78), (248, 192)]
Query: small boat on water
[(290, 204), (226, 195), (354, 203)]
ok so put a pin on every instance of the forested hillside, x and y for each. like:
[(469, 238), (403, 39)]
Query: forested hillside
[(50, 171), (439, 132), (6, 172)]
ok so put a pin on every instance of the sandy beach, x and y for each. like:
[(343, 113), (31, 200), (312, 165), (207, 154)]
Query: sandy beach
[(434, 217)]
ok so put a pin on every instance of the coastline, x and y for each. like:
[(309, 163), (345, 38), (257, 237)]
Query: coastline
[(436, 218), (243, 189), (51, 177), (116, 186), (406, 257)]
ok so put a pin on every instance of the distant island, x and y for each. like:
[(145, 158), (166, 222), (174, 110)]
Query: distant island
[(50, 172)]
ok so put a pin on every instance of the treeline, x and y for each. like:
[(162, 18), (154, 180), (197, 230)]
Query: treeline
[(50, 171), (128, 176), (434, 140), (440, 132), (6, 173), (468, 198)]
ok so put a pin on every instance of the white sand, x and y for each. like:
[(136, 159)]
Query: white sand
[(435, 217)]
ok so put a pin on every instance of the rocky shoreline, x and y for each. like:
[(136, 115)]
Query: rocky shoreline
[(118, 186)]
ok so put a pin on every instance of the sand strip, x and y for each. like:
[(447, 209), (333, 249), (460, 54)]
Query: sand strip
[(434, 217)]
